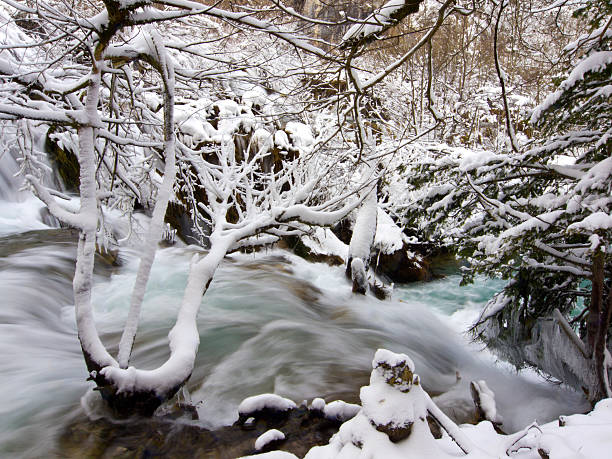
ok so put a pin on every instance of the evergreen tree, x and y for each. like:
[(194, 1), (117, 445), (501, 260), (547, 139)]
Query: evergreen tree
[(541, 218)]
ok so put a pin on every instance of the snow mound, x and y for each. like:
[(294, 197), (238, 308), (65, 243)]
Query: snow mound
[(265, 401), (340, 411), (301, 135), (317, 404), (391, 359), (268, 437), (486, 401), (322, 241), (272, 455)]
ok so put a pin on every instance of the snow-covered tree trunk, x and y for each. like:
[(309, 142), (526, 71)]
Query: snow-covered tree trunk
[(361, 243), (96, 355), (164, 194)]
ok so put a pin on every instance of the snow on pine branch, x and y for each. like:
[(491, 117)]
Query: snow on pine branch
[(594, 63)]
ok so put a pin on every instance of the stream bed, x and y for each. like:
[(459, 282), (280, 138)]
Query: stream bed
[(271, 322)]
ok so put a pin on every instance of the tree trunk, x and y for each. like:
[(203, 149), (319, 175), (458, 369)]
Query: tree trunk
[(362, 240), (598, 322)]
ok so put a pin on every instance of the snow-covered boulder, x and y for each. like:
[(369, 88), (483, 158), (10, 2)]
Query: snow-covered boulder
[(269, 440), (319, 246), (384, 403), (395, 257), (323, 243), (264, 405), (394, 413), (337, 410)]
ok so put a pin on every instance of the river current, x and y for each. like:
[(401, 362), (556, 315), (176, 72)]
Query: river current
[(271, 322)]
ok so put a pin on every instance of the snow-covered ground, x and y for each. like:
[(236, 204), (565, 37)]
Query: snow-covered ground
[(392, 424)]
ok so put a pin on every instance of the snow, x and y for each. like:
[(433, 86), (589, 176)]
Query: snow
[(592, 223), (312, 216), (597, 177), (389, 237), (317, 404), (339, 410), (365, 228), (301, 135), (542, 222), (194, 129), (265, 401), (281, 140), (164, 193), (494, 305), (376, 22), (383, 356), (261, 141), (577, 436), (268, 437), (255, 96), (487, 401), (476, 159), (384, 405), (272, 455), (595, 62), (322, 241)]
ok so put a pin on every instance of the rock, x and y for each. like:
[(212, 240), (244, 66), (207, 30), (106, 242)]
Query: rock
[(396, 369), (295, 244), (167, 437), (177, 216), (343, 230), (396, 433), (381, 291), (64, 161), (402, 266), (411, 263), (387, 401), (108, 256)]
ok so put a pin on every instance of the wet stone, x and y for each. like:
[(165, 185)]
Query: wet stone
[(396, 433), (183, 438)]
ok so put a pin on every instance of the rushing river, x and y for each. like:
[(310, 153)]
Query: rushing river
[(270, 323)]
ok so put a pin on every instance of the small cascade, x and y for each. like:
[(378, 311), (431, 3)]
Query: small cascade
[(20, 210), (10, 182)]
